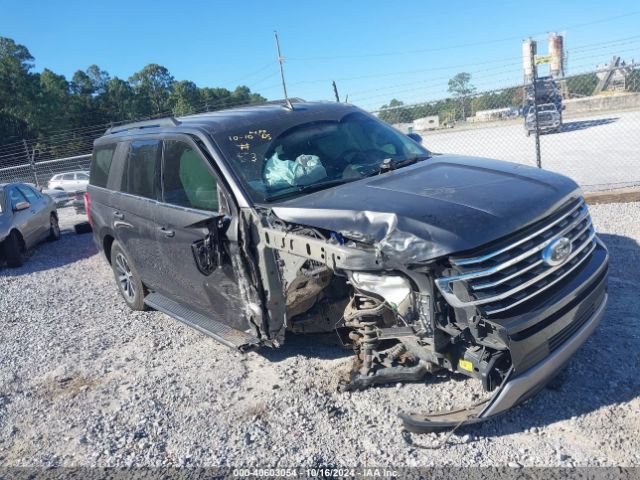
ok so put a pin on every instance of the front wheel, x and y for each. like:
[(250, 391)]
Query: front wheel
[(13, 250), (54, 228), (129, 282)]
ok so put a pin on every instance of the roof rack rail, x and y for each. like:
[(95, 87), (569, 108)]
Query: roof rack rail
[(160, 122), (284, 101)]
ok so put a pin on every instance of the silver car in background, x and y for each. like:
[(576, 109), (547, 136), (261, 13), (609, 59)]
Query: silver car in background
[(27, 217), (70, 181)]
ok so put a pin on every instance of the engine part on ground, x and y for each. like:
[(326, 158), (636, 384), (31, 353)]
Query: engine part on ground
[(384, 376), (82, 228)]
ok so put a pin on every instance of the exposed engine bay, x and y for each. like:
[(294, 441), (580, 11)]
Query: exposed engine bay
[(394, 318)]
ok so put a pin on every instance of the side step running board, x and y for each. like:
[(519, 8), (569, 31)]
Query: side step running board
[(224, 334)]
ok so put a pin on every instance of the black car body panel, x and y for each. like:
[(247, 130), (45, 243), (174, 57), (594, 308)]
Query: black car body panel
[(421, 262), (434, 208)]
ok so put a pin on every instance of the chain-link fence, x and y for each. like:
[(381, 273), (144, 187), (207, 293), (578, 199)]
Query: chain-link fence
[(588, 125), (36, 161)]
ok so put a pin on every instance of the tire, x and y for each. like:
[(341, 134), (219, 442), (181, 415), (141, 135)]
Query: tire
[(127, 278), (14, 250), (54, 229)]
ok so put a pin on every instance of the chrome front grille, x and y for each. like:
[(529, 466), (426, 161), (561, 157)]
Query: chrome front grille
[(506, 276)]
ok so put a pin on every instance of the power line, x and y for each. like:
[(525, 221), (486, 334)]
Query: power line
[(480, 93), (464, 45)]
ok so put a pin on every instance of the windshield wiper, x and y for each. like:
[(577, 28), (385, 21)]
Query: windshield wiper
[(389, 164), (312, 187)]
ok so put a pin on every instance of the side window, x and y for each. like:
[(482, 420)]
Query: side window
[(15, 197), (29, 194), (186, 179), (68, 176), (101, 164), (82, 176), (141, 168)]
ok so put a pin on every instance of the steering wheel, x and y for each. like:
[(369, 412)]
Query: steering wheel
[(353, 158), (350, 155)]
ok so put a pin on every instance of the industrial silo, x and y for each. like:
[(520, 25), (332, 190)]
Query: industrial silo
[(529, 48), (556, 49)]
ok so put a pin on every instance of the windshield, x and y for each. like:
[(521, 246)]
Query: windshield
[(301, 157)]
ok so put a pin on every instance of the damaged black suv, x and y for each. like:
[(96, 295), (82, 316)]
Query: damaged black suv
[(318, 217)]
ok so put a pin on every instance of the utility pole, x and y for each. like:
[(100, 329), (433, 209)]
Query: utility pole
[(534, 78), (31, 156), (335, 91), (281, 62)]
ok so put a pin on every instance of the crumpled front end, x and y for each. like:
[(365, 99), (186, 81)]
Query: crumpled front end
[(509, 313)]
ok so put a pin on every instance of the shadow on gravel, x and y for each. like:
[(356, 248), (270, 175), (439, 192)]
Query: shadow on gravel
[(603, 373), (584, 124), (322, 346), (69, 249)]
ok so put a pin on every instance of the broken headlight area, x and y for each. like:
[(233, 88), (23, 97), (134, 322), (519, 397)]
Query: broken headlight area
[(396, 321), (401, 334)]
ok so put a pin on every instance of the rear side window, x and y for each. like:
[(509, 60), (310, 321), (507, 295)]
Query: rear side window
[(186, 179), (101, 164), (141, 168)]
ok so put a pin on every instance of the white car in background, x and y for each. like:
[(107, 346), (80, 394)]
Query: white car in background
[(70, 181)]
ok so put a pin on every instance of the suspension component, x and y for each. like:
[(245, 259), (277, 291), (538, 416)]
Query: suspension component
[(368, 343)]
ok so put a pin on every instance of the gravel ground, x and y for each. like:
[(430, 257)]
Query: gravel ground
[(86, 382)]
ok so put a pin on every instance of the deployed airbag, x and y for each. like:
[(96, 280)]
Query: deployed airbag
[(305, 170)]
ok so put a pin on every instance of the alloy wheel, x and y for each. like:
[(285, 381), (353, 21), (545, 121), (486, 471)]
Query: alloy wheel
[(125, 278)]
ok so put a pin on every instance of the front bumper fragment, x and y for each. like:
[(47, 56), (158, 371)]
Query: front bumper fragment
[(513, 390)]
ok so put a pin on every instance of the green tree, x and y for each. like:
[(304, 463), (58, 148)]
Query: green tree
[(53, 102), (118, 101), (33, 105), (17, 88), (460, 87), (184, 97), (395, 113), (153, 85), (582, 85)]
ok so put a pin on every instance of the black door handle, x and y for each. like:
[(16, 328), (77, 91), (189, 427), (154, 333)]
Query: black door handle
[(118, 215), (167, 233)]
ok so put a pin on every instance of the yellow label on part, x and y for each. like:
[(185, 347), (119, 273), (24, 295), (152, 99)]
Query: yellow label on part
[(466, 365)]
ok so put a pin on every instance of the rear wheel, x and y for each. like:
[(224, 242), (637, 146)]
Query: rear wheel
[(129, 282), (14, 250), (54, 228)]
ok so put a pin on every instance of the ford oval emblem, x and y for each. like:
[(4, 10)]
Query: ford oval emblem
[(557, 251)]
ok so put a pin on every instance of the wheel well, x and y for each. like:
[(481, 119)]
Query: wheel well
[(20, 237), (106, 244)]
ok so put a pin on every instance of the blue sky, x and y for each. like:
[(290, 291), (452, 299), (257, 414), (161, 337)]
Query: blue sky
[(375, 50)]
